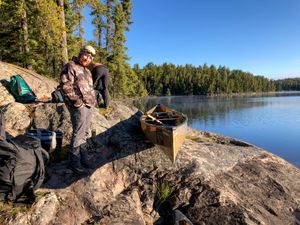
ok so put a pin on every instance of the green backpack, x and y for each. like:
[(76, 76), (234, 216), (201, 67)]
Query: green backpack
[(20, 90)]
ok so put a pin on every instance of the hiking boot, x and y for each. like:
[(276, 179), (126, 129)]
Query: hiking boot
[(74, 162), (85, 165), (78, 170), (84, 156), (30, 196), (101, 105)]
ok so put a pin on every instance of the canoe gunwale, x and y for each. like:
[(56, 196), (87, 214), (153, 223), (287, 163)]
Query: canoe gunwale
[(163, 135), (166, 126)]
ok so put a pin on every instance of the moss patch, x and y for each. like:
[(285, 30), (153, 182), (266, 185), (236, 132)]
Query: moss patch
[(199, 139), (9, 211), (105, 111)]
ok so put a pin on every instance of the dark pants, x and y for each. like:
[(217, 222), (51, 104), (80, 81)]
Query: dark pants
[(81, 120), (101, 81)]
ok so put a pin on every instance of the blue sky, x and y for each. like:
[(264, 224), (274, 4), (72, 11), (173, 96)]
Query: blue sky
[(258, 36)]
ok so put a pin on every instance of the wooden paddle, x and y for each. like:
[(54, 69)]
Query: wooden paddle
[(154, 119)]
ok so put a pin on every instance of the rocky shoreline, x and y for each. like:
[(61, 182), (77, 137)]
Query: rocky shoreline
[(215, 179)]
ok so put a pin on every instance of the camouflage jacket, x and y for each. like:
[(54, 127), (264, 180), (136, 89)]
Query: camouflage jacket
[(77, 85)]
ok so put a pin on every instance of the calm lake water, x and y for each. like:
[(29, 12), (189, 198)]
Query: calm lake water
[(270, 121)]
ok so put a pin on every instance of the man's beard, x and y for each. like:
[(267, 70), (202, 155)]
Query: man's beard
[(85, 63)]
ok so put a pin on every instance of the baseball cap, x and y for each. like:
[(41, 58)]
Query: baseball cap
[(89, 49)]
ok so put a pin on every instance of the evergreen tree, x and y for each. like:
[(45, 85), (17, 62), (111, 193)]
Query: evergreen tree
[(48, 37), (289, 84), (169, 79), (78, 6), (109, 24), (124, 81), (13, 32), (64, 48), (44, 33), (98, 10), (25, 36), (74, 41)]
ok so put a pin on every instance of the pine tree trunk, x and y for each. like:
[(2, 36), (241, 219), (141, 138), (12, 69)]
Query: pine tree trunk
[(99, 27), (109, 25), (24, 25), (53, 67), (77, 9), (64, 47), (81, 31)]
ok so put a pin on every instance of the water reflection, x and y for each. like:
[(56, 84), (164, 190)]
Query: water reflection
[(266, 120), (200, 107)]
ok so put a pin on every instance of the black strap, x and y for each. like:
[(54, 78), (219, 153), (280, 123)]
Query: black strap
[(40, 171), (2, 126)]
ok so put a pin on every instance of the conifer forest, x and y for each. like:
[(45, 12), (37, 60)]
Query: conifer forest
[(43, 35)]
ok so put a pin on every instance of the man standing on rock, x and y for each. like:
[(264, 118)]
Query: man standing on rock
[(77, 85)]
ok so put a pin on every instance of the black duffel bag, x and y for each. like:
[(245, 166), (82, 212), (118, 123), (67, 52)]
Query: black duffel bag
[(22, 167)]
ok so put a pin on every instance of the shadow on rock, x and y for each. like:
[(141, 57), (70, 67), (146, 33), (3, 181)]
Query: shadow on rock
[(6, 84), (121, 140)]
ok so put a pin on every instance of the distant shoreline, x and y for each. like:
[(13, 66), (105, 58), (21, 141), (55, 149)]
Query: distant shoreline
[(219, 95)]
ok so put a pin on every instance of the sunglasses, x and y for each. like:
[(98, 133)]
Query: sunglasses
[(90, 56)]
